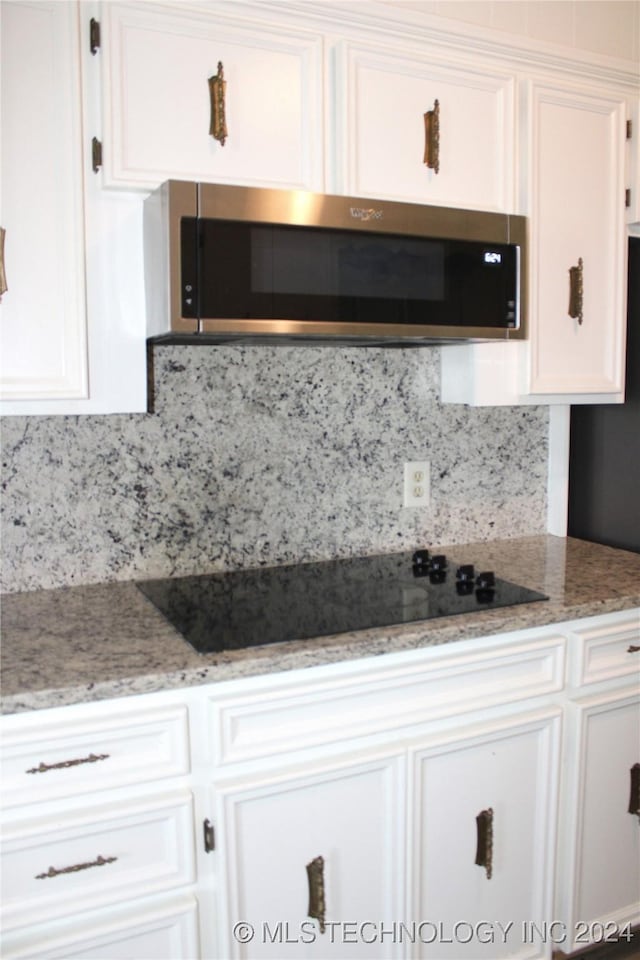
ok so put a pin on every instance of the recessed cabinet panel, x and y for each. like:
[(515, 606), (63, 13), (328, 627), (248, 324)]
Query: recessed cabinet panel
[(43, 762), (167, 931), (352, 819), (98, 856), (383, 128), (158, 106), (578, 252), (483, 827), (43, 313)]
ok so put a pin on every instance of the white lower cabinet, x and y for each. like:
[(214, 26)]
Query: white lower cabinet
[(403, 807), (598, 888), (602, 895), (483, 830), (312, 857), (98, 854), (391, 810)]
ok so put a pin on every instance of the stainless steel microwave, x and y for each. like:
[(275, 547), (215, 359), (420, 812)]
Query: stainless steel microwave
[(240, 263)]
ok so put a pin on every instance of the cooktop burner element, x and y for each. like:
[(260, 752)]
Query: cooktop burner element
[(247, 608)]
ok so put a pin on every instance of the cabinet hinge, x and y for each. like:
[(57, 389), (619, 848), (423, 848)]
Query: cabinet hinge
[(209, 836), (96, 154), (627, 197), (94, 35), (629, 129)]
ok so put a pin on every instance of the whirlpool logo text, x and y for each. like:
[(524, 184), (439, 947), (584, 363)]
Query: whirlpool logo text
[(361, 213)]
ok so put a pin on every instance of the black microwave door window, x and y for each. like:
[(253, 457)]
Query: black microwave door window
[(260, 271)]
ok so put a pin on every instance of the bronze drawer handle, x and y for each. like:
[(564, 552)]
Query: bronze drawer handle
[(432, 137), (315, 877), (634, 792), (63, 764), (217, 91), (484, 847), (55, 872), (633, 648), (576, 291)]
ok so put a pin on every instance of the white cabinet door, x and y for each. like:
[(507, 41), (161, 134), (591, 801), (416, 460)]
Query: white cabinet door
[(506, 777), (157, 108), (600, 891), (383, 129), (577, 220), (43, 313), (351, 817)]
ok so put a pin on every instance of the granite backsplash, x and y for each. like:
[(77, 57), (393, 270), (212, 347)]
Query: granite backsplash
[(264, 455)]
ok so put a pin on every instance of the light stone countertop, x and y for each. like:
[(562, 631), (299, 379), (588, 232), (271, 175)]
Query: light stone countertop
[(90, 643)]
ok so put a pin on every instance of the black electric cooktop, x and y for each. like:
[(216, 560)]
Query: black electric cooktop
[(248, 608)]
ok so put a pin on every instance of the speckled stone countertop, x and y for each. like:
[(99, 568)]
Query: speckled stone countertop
[(90, 643)]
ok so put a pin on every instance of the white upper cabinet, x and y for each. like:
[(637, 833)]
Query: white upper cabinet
[(470, 115), (158, 61), (574, 148), (43, 337), (72, 324), (578, 242)]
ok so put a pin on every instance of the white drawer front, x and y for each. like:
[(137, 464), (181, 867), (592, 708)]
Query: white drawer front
[(607, 652), (44, 760), (280, 720), (54, 867), (169, 931)]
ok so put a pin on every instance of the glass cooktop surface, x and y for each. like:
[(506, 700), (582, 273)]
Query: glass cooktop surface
[(248, 608)]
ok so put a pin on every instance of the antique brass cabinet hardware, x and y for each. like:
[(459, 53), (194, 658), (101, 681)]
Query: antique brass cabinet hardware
[(56, 872), (63, 764), (633, 648), (315, 876), (209, 836), (432, 137), (484, 848), (3, 276), (576, 291), (217, 90), (634, 793), (96, 154), (94, 35)]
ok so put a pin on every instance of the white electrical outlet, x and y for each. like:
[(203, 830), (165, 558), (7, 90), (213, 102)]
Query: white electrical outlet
[(417, 482)]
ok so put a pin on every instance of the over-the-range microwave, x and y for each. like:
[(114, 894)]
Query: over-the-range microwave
[(242, 263)]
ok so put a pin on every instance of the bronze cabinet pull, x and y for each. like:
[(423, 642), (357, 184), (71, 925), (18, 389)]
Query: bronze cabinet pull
[(217, 91), (57, 872), (634, 792), (484, 847), (576, 291), (3, 275), (432, 137), (315, 877), (633, 648), (63, 764)]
